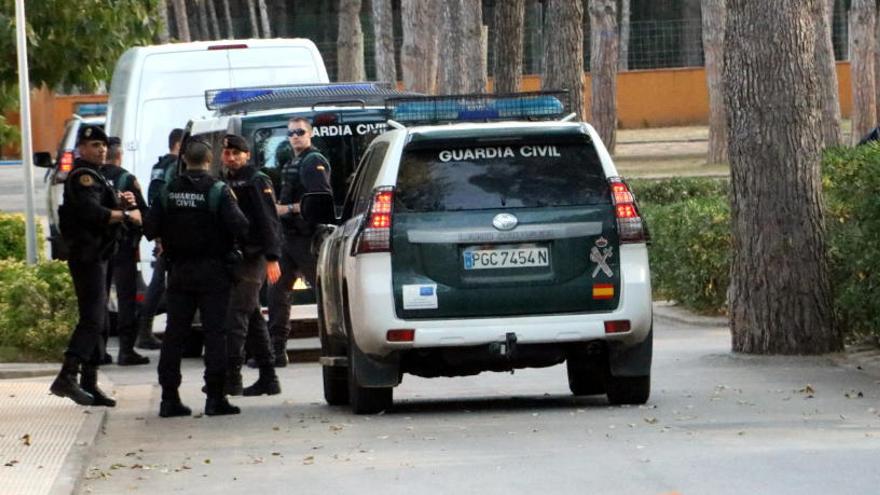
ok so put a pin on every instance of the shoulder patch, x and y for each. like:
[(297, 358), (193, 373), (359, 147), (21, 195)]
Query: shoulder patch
[(320, 168), (86, 180), (268, 190)]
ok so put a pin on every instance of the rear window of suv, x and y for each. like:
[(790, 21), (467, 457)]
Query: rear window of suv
[(500, 175)]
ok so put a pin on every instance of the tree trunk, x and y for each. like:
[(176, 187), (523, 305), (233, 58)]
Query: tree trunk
[(162, 36), (383, 29), (564, 50), (252, 12), (827, 73), (780, 294), (264, 18), (862, 19), (418, 55), (204, 30), (181, 20), (877, 63), (461, 61), (227, 14), (350, 42), (691, 38), (535, 18), (603, 68), (279, 13), (625, 11), (509, 18), (714, 15), (216, 32)]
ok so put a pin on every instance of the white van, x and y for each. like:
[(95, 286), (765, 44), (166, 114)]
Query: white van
[(157, 88)]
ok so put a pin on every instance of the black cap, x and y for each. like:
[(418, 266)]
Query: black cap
[(114, 141), (90, 132), (237, 142)]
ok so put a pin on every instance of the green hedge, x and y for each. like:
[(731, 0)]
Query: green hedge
[(12, 242), (675, 189), (37, 309)]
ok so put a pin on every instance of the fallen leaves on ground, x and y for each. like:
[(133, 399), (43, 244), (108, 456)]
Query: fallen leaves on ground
[(26, 439)]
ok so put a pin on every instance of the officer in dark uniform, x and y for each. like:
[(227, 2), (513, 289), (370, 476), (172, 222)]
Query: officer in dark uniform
[(261, 249), (163, 171), (308, 171), (89, 217), (123, 266), (198, 221)]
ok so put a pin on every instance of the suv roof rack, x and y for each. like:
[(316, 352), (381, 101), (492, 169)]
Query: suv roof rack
[(536, 105), (250, 99)]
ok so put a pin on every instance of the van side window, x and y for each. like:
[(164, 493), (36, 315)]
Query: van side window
[(372, 165)]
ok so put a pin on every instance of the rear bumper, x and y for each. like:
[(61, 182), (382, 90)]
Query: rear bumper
[(372, 313)]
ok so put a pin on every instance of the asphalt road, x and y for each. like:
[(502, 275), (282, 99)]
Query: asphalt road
[(12, 189), (716, 423)]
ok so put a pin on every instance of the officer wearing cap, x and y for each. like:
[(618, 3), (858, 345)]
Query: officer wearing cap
[(308, 171), (261, 249), (198, 221), (123, 265), (89, 217)]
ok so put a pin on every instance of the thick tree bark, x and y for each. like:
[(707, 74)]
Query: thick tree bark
[(691, 38), (181, 20), (509, 18), (535, 18), (603, 69), (780, 294), (204, 30), (461, 48), (230, 31), (418, 55), (383, 29), (625, 14), (350, 42), (564, 50), (162, 36), (216, 32), (252, 12), (714, 15), (862, 19), (827, 73), (263, 12)]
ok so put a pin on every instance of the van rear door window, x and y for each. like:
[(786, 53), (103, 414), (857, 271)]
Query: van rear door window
[(515, 175)]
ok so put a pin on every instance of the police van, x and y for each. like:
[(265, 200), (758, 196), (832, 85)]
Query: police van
[(480, 234), (157, 88)]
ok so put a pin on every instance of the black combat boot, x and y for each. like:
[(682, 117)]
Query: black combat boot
[(279, 349), (171, 405), (127, 356), (89, 382), (232, 385), (145, 338), (266, 384), (216, 403), (65, 385)]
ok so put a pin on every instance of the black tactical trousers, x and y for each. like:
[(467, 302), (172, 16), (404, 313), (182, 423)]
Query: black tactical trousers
[(123, 272), (244, 321), (182, 305), (89, 282), (296, 259), (155, 290)]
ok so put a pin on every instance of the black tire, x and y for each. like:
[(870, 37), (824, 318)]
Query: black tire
[(335, 377), (628, 389), (586, 376)]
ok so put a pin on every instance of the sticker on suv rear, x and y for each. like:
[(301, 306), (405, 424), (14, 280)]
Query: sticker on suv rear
[(420, 296)]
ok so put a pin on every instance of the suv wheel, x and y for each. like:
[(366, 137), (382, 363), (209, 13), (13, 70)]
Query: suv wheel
[(628, 389), (335, 377), (586, 375), (363, 400)]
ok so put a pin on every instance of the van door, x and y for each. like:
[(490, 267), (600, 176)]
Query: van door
[(507, 228)]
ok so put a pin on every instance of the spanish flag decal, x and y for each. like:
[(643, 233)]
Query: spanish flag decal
[(603, 291)]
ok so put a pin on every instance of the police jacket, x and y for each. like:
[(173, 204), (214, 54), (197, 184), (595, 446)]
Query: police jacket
[(199, 223), (306, 173), (257, 200), (163, 171), (122, 181), (85, 212)]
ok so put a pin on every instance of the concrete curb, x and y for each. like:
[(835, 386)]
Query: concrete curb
[(670, 312), (27, 370), (77, 459)]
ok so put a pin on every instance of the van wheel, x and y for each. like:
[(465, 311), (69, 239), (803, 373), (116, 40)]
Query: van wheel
[(585, 376), (335, 377), (628, 389)]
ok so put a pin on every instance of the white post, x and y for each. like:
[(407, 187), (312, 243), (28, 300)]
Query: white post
[(24, 96)]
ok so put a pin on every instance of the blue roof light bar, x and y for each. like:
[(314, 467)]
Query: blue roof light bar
[(216, 99), (542, 105)]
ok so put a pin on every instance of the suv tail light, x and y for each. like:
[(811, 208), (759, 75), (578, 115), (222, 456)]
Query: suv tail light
[(630, 226), (375, 235), (65, 164)]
